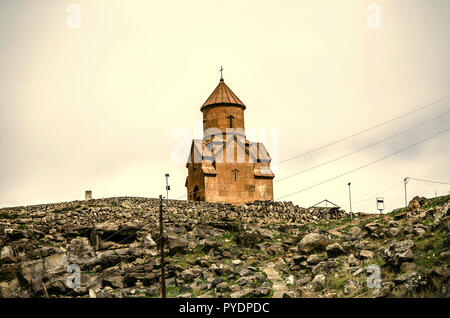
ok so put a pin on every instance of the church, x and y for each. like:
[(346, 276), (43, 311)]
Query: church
[(224, 166)]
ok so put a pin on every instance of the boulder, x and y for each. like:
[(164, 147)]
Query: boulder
[(244, 272), (413, 205), (147, 241), (354, 231), (419, 232), (313, 259), (107, 229), (319, 281), (188, 275), (222, 287), (324, 267), (372, 227), (9, 289), (81, 253), (242, 293), (265, 233), (420, 200), (446, 242), (351, 287), (32, 272), (113, 280), (302, 281), (352, 260), (92, 293), (56, 263), (288, 295), (399, 252), (445, 255), (313, 241), (7, 255), (177, 245), (407, 267), (299, 259), (384, 291), (261, 291), (334, 250), (365, 255), (289, 280), (249, 239), (393, 231), (444, 224)]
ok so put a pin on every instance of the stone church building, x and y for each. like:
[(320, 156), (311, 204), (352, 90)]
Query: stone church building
[(224, 166)]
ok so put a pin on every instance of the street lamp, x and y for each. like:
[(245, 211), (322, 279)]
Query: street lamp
[(350, 198), (167, 185)]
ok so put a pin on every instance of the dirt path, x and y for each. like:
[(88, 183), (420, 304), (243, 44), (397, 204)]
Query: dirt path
[(336, 230), (279, 287), (355, 221)]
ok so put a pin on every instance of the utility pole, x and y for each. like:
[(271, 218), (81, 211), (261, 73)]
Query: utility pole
[(161, 233), (406, 198), (167, 186), (350, 198)]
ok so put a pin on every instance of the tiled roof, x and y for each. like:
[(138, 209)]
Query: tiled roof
[(206, 154), (207, 151), (208, 168), (257, 150), (263, 172), (222, 95)]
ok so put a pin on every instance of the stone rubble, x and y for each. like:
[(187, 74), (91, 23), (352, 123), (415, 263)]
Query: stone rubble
[(110, 248)]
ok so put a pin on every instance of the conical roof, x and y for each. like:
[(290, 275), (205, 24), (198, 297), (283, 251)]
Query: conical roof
[(222, 94)]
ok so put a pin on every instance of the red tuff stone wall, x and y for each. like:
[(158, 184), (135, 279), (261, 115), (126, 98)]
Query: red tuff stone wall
[(195, 179), (247, 188), (224, 188), (216, 117)]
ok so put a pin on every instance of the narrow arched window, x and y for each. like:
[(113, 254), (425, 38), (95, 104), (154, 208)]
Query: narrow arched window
[(231, 117)]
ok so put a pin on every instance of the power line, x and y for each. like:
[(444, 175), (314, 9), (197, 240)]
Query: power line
[(366, 165), (447, 183), (348, 137), (380, 193), (363, 148), (362, 131), (351, 136), (182, 196)]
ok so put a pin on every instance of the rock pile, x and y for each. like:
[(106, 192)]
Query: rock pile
[(110, 248), (113, 244)]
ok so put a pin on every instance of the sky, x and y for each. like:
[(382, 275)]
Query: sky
[(105, 95)]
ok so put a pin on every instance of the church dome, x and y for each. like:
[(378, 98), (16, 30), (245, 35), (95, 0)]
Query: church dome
[(222, 94)]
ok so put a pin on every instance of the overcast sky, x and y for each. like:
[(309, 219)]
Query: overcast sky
[(106, 106)]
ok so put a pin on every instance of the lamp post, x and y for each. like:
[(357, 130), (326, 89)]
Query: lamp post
[(350, 198), (167, 186), (406, 199)]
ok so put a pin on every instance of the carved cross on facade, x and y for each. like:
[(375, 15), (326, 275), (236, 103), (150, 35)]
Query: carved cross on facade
[(235, 172)]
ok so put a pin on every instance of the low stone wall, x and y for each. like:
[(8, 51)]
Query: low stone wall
[(132, 208)]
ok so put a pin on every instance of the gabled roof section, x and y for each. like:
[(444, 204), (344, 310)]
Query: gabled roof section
[(206, 153), (257, 150), (222, 94)]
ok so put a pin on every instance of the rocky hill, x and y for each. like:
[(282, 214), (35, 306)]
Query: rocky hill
[(109, 248)]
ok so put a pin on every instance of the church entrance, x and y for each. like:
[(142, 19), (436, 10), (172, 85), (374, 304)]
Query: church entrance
[(196, 194)]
